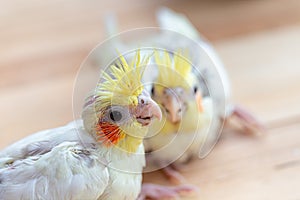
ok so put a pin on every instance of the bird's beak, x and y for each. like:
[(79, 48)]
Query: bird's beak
[(146, 109), (173, 109)]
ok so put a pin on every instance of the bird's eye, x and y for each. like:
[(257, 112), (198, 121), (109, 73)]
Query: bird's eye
[(195, 90), (152, 90), (117, 114)]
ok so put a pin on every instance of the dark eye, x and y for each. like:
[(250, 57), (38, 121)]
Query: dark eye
[(152, 90), (115, 115), (195, 90), (179, 111)]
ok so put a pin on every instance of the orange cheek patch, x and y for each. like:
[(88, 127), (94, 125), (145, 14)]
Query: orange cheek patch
[(108, 133)]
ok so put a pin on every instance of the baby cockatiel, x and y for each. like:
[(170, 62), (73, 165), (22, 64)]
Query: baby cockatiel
[(98, 157), (193, 90), (187, 116)]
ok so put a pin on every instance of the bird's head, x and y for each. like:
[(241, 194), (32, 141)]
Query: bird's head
[(176, 85), (119, 110)]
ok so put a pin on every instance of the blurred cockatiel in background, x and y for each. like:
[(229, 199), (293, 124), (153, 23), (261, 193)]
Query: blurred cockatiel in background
[(187, 91), (98, 157), (187, 115)]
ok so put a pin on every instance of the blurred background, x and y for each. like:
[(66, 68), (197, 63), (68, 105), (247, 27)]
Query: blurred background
[(42, 44)]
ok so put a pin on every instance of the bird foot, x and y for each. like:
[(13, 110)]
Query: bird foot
[(158, 192), (250, 124)]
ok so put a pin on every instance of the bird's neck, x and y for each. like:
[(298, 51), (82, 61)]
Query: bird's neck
[(131, 137), (129, 143)]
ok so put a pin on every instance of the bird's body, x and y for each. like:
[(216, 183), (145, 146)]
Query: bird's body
[(187, 117), (98, 157), (67, 163)]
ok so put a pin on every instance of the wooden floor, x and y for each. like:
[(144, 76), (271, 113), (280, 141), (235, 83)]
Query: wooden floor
[(42, 44)]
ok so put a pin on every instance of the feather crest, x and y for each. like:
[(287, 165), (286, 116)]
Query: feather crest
[(175, 72), (122, 84)]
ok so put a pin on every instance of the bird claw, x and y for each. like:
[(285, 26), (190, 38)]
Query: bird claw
[(158, 192), (250, 124)]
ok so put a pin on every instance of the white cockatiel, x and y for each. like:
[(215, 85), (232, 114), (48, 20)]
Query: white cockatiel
[(98, 157), (194, 93), (187, 116)]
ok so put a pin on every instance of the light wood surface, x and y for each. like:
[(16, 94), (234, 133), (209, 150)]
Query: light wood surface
[(44, 42)]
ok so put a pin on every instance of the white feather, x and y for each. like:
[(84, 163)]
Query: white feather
[(66, 163)]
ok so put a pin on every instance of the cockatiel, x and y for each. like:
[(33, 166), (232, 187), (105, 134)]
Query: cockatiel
[(195, 106), (187, 116), (98, 157)]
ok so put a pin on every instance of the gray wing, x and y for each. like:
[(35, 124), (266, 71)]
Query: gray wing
[(52, 169)]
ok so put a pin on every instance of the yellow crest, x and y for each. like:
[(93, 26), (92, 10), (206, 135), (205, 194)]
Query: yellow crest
[(122, 84), (174, 72)]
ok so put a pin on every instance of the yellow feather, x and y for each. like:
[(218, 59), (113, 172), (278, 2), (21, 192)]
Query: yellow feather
[(122, 84), (130, 142), (174, 72)]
